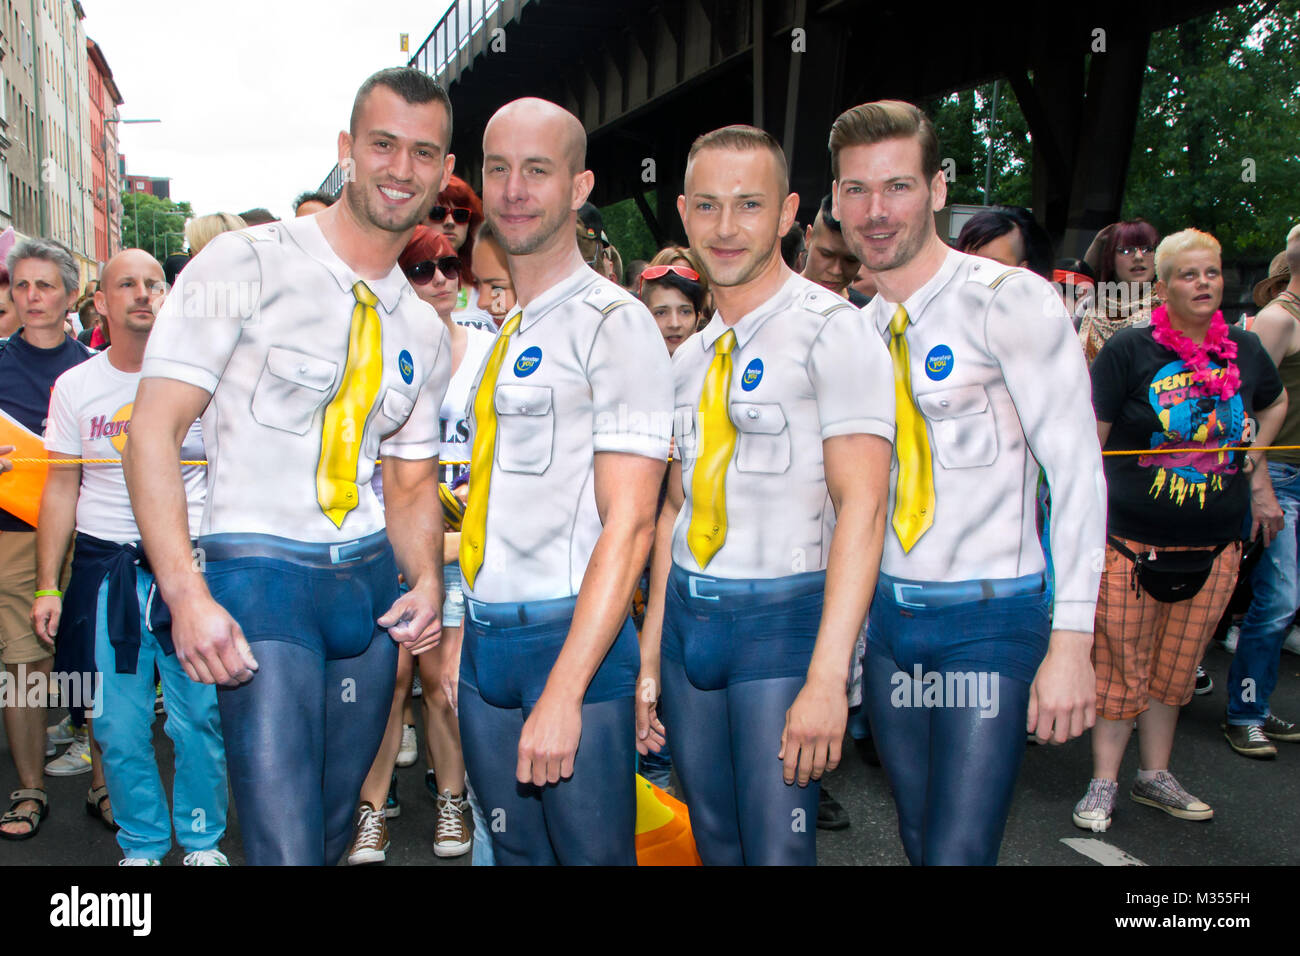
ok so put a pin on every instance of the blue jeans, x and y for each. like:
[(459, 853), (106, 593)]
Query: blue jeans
[(1253, 674), (124, 732)]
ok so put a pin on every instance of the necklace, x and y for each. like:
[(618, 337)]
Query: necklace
[(1205, 381)]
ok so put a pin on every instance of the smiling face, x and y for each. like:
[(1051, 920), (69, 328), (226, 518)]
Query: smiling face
[(131, 293), (735, 212), (885, 203), (398, 158), (1194, 290), (673, 313), (532, 180)]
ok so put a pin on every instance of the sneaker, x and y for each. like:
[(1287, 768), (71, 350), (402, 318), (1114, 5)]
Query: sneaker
[(138, 861), (1292, 643), (392, 806), (451, 837), (830, 814), (50, 748), (1093, 812), (1204, 682), (64, 732), (1275, 728), (407, 753), (1167, 794), (371, 840), (75, 760), (1230, 639), (205, 858), (1249, 740)]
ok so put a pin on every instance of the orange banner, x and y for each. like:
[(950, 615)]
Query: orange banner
[(20, 489)]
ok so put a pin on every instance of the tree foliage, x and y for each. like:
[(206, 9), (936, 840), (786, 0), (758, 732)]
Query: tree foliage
[(153, 224)]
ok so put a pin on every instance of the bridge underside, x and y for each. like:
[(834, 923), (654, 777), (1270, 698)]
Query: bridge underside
[(647, 78)]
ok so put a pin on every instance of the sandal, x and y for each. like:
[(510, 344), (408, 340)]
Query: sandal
[(33, 818), (99, 807)]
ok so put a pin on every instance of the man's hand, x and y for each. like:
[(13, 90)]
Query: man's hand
[(415, 619), (210, 644), (449, 676), (650, 734), (1063, 697), (814, 731), (46, 612), (549, 740), (1265, 513)]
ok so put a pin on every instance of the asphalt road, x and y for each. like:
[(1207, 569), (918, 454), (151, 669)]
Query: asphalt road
[(1256, 808)]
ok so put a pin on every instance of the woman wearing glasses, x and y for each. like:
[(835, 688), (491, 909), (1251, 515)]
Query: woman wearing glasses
[(458, 213), (675, 297), (1125, 254), (434, 271)]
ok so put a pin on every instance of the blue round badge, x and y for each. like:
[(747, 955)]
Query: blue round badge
[(938, 364), (406, 365), (528, 361), (753, 375)]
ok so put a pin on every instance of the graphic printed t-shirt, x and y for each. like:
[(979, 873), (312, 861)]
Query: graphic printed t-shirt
[(1196, 496), (27, 376), (90, 417), (453, 417)]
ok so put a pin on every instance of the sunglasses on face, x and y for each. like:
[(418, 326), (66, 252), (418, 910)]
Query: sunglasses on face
[(650, 273), (457, 213), (1130, 250), (422, 272)]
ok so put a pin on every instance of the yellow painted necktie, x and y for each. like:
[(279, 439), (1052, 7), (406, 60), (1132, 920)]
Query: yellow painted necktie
[(914, 498), (346, 414), (473, 526), (717, 443)]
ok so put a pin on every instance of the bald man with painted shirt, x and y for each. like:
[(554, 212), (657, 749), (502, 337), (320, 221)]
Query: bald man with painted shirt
[(569, 430), (966, 644), (769, 541)]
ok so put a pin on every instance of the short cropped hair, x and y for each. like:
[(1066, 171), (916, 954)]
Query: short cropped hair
[(49, 251), (1175, 244), (412, 85), (825, 211), (743, 138), (313, 195), (876, 122)]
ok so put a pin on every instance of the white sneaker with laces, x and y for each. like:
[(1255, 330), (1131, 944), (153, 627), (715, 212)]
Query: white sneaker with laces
[(138, 861), (407, 753), (1230, 639), (206, 858), (61, 733), (75, 760)]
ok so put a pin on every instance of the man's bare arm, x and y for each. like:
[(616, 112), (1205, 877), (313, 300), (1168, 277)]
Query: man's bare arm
[(413, 515), (54, 529)]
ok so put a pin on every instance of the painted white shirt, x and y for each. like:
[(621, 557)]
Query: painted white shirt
[(806, 367), (90, 417), (998, 375), (453, 418), (261, 319), (586, 372)]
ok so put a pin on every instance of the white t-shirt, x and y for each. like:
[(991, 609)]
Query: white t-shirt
[(90, 416), (453, 417)]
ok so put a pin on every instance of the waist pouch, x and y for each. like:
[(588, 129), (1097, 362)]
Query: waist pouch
[(1170, 576)]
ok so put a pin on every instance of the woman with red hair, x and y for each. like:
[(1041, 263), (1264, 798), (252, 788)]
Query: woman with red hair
[(431, 265), (458, 212)]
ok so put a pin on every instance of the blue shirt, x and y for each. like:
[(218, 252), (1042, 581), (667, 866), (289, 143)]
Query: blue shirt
[(27, 377)]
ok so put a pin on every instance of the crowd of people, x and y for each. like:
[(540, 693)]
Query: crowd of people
[(422, 443)]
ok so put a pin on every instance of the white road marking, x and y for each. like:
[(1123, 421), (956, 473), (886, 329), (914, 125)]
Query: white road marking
[(1104, 853)]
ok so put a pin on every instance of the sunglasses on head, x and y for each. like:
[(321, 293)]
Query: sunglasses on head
[(650, 273), (422, 272), (458, 214)]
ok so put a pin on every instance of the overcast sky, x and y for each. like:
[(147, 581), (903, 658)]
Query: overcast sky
[(251, 93)]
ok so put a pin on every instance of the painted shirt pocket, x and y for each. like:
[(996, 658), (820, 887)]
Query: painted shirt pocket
[(962, 429), (763, 438), (394, 410), (525, 428), (293, 385)]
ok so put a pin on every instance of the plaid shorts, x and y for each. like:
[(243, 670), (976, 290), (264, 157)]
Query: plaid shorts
[(1145, 649)]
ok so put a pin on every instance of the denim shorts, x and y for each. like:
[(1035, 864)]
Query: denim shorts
[(323, 597), (453, 597), (509, 650), (726, 631)]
